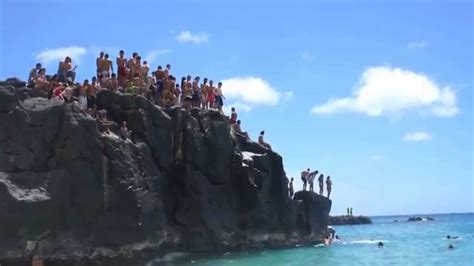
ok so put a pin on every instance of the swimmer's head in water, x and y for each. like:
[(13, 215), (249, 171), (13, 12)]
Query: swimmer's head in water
[(380, 244), (450, 246), (448, 236)]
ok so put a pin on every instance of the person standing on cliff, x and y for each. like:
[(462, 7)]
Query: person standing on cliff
[(121, 68), (328, 185), (311, 179), (290, 188), (304, 178), (321, 184)]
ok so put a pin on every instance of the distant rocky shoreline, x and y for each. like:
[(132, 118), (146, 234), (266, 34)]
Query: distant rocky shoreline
[(349, 220)]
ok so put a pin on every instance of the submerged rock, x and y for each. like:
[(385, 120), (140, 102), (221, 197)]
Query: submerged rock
[(184, 182)]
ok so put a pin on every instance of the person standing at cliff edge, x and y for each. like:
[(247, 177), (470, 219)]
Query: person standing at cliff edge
[(290, 188), (321, 184), (304, 178), (328, 185)]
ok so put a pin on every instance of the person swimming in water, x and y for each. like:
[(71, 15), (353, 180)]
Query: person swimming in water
[(450, 246), (380, 244), (452, 237)]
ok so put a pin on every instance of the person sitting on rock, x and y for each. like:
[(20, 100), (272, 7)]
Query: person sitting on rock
[(113, 83), (233, 116), (33, 75), (321, 184), (58, 92), (67, 95), (290, 188), (328, 185), (236, 127), (102, 121), (124, 133), (262, 142), (66, 72), (41, 82)]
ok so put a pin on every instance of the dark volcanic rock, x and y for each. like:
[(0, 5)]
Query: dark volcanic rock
[(349, 220), (419, 219), (73, 195)]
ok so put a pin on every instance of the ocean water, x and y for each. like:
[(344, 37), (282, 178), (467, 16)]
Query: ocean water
[(405, 243)]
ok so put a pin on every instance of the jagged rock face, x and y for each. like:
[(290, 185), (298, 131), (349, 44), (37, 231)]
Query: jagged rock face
[(183, 181), (349, 220)]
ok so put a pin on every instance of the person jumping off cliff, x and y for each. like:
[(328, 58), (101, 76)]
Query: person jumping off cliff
[(328, 185), (321, 184)]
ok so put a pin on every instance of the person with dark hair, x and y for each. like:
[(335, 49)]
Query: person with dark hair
[(290, 188), (262, 142), (321, 184), (219, 97), (236, 127), (211, 95), (380, 244), (310, 178), (99, 64), (328, 185), (34, 74), (92, 92), (145, 68), (304, 178), (106, 68), (196, 94), (132, 66), (168, 67), (233, 116), (41, 82), (122, 68), (112, 83), (66, 72), (204, 91)]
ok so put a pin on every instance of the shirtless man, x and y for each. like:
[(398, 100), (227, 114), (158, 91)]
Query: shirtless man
[(145, 68), (113, 83), (211, 94), (168, 88), (92, 93), (204, 89), (196, 96), (132, 67), (262, 142), (304, 178), (98, 63), (233, 116), (188, 88), (238, 129), (122, 68), (168, 67), (66, 71), (34, 74), (107, 68)]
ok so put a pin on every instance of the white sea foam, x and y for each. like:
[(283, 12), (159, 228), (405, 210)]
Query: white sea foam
[(366, 241)]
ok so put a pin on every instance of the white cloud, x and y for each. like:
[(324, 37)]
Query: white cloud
[(307, 56), (394, 91), (51, 55), (416, 136), (196, 38), (253, 91), (153, 55), (417, 44)]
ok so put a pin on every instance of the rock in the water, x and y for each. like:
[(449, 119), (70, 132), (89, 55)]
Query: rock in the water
[(419, 219), (70, 194), (349, 220)]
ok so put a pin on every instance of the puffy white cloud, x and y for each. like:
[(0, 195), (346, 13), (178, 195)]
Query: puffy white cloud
[(393, 91), (196, 38), (252, 91), (57, 54), (153, 55), (416, 136), (417, 44)]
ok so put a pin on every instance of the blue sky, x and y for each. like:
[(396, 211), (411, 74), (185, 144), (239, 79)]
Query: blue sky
[(377, 95)]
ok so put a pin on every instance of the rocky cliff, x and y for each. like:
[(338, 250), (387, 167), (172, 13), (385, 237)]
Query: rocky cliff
[(349, 220), (72, 195)]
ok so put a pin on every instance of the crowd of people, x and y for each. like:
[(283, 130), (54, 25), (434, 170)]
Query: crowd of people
[(308, 178), (131, 76)]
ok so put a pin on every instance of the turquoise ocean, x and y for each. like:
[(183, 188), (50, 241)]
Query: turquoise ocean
[(405, 243)]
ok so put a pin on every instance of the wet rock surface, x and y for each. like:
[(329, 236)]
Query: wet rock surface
[(74, 196)]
